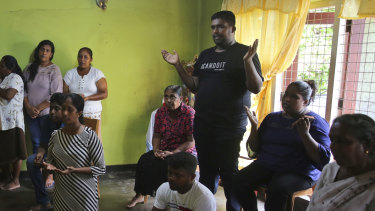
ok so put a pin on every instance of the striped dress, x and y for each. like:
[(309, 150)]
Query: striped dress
[(76, 191)]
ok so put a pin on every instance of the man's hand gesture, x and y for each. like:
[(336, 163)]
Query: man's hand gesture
[(172, 59), (251, 52)]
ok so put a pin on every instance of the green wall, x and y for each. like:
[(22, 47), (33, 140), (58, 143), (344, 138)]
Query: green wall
[(126, 40)]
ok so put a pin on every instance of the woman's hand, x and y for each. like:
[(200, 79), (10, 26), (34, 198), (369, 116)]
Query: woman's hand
[(68, 170), (158, 154), (49, 167), (252, 117), (166, 154), (302, 125), (38, 159), (84, 97), (32, 112)]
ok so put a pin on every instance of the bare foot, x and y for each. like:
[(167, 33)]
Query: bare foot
[(49, 181), (137, 199), (11, 185)]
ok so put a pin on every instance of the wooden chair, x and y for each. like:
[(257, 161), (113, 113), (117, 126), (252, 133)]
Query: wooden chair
[(93, 124)]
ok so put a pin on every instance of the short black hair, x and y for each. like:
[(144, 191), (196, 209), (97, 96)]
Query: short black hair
[(183, 160), (360, 126), (58, 98), (89, 51), (174, 88), (225, 15)]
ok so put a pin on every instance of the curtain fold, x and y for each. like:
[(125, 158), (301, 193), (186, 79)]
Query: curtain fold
[(278, 24), (357, 9)]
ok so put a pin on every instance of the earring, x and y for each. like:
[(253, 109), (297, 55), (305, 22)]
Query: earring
[(366, 151)]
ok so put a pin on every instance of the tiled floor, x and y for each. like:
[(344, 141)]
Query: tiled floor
[(116, 190)]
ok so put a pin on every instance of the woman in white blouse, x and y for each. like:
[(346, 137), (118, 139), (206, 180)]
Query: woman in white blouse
[(91, 84), (12, 136)]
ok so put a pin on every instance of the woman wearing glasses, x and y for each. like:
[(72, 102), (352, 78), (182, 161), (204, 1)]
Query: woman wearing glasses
[(173, 132)]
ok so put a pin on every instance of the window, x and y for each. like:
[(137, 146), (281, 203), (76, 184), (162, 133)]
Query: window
[(353, 77)]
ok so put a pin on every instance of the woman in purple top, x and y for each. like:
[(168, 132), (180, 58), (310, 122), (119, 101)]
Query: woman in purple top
[(43, 79), (292, 146), (173, 132)]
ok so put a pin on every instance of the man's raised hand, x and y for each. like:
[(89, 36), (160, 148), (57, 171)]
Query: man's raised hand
[(251, 52), (172, 59)]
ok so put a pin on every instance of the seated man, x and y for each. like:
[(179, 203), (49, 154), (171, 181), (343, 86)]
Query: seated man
[(182, 192), (34, 161)]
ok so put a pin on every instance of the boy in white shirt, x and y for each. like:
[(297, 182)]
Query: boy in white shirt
[(182, 192)]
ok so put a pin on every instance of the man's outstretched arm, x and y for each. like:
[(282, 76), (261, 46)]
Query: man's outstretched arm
[(190, 81)]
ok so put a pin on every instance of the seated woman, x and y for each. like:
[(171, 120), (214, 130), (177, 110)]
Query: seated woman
[(173, 132), (75, 155), (348, 183), (292, 147), (34, 161)]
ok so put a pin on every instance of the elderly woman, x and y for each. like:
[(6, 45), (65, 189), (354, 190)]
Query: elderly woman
[(43, 79), (349, 183), (12, 137), (91, 84), (292, 147), (173, 132), (75, 154)]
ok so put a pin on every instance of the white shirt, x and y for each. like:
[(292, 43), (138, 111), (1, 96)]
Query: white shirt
[(11, 113), (150, 131), (86, 85), (198, 198)]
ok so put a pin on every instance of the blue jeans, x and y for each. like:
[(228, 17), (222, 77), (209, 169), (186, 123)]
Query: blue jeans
[(37, 180), (218, 151), (280, 185), (40, 130)]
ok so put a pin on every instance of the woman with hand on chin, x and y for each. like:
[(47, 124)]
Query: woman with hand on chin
[(292, 147), (173, 132), (91, 84), (75, 154)]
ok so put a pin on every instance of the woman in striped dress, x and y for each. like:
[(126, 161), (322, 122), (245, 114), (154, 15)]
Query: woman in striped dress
[(75, 154)]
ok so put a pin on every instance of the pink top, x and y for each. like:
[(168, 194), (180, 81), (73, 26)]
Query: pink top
[(47, 81)]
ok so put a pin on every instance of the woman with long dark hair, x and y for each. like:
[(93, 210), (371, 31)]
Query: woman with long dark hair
[(43, 79), (12, 136)]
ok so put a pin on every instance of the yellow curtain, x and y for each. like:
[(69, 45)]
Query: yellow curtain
[(278, 24), (357, 9)]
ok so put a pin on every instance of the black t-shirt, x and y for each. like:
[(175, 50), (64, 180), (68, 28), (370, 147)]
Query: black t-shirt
[(222, 90)]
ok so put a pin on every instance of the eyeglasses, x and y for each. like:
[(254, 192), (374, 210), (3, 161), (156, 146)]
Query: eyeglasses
[(171, 98)]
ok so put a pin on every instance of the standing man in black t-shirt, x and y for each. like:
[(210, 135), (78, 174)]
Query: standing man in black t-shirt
[(223, 78)]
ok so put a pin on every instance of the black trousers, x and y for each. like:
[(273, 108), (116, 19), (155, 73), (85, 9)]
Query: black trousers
[(218, 151), (280, 186), (150, 173)]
